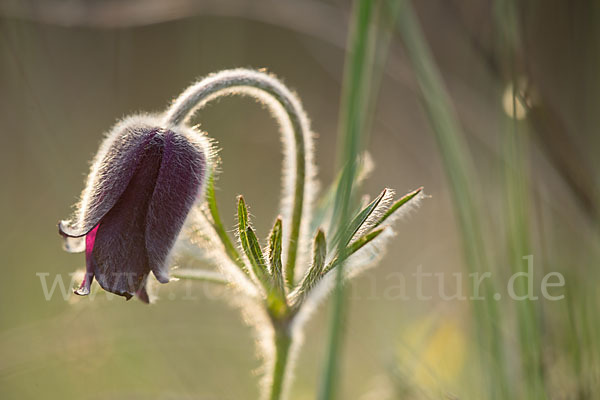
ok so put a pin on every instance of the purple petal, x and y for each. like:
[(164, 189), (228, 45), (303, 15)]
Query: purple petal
[(119, 252), (142, 294), (180, 179), (84, 288), (112, 170)]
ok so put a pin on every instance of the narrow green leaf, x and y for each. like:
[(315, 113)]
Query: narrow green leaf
[(250, 244), (315, 271), (218, 225), (399, 203), (362, 217), (347, 234), (364, 240), (242, 214), (275, 249), (257, 254), (319, 253), (258, 258), (354, 247)]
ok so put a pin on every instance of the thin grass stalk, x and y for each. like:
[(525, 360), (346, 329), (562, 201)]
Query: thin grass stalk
[(529, 335), (516, 175), (458, 166), (352, 125)]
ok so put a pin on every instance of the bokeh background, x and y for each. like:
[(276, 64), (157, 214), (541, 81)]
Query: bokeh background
[(69, 70)]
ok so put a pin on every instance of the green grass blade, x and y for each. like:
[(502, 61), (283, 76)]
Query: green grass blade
[(517, 213), (327, 201), (352, 126), (458, 166)]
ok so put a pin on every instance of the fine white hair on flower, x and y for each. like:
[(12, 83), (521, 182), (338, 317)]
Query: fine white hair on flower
[(97, 171)]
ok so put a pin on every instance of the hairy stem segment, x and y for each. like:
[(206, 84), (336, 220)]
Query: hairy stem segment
[(295, 130), (283, 342)]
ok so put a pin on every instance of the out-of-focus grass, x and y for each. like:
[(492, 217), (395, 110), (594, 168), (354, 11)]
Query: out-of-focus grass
[(459, 169), (368, 46), (524, 370), (351, 139), (517, 211)]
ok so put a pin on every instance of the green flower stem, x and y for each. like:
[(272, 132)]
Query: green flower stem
[(268, 90), (283, 342)]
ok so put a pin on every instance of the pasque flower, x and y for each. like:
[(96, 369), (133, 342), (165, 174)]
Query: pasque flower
[(143, 182), (150, 173)]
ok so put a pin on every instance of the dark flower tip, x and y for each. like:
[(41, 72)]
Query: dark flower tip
[(142, 184)]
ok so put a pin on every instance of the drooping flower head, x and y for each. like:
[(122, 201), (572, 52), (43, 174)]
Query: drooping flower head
[(143, 182)]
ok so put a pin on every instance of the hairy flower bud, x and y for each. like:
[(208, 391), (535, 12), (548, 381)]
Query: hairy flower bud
[(142, 185)]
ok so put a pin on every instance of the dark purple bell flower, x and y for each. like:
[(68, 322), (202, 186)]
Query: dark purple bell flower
[(143, 183)]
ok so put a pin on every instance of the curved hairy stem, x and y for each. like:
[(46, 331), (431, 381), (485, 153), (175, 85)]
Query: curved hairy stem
[(295, 130)]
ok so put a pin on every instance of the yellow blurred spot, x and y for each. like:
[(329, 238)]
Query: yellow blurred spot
[(443, 357), (435, 352)]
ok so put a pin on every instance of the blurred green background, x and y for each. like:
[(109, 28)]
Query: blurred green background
[(69, 70)]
